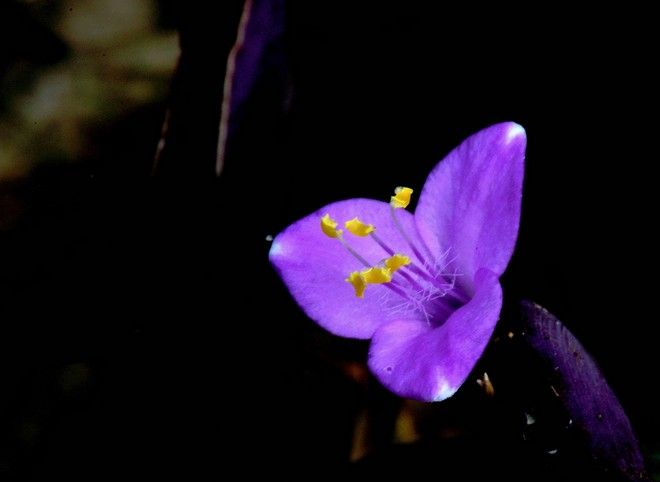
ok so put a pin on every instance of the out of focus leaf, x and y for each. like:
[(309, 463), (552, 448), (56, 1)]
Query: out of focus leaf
[(257, 53), (23, 37), (118, 59)]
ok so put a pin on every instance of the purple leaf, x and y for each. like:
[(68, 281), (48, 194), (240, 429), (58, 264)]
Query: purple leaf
[(580, 386)]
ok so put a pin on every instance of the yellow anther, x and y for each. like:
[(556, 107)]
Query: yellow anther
[(377, 275), (401, 197), (329, 227), (358, 228), (396, 261), (358, 283)]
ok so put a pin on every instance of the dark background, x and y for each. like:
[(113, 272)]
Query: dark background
[(142, 329)]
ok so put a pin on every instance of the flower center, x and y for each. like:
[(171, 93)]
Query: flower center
[(425, 286)]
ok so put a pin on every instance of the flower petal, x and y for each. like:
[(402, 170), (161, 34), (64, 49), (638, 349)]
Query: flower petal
[(314, 267), (430, 364), (470, 203)]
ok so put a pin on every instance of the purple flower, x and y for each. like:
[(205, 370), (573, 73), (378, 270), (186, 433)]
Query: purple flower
[(424, 287)]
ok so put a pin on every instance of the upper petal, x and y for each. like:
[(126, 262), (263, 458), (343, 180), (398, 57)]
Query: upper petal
[(314, 267), (416, 361), (470, 203)]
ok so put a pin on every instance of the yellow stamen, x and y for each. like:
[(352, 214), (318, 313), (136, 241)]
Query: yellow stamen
[(401, 197), (329, 227), (358, 283), (358, 228), (396, 261), (377, 275)]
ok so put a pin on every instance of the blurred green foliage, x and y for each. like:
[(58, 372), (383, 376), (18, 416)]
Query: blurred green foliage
[(119, 57)]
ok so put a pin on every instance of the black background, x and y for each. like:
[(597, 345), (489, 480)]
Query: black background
[(195, 359)]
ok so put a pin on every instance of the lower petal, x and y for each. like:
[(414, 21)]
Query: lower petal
[(416, 361)]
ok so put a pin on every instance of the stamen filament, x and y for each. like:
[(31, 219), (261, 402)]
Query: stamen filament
[(425, 286), (355, 254), (402, 232), (391, 252), (382, 244), (390, 285), (400, 292), (413, 267)]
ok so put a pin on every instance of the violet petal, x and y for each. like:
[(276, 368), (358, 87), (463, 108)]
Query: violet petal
[(314, 267), (470, 203), (417, 361)]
